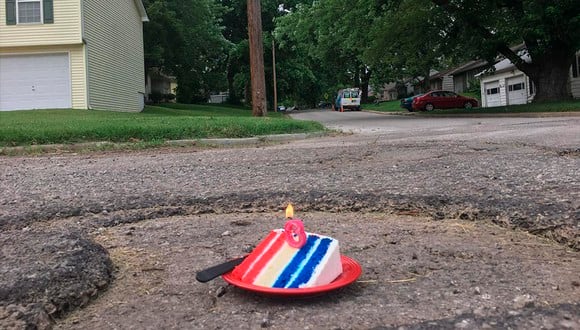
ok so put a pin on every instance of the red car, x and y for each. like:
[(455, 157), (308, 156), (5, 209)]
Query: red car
[(442, 100)]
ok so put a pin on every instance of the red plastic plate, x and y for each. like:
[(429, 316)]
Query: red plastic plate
[(351, 270)]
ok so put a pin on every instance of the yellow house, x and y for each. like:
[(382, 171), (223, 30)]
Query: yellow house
[(81, 54)]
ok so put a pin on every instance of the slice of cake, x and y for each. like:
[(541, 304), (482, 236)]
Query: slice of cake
[(276, 263)]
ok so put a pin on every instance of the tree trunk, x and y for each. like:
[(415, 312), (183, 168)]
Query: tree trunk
[(233, 97), (426, 82), (366, 76), (256, 59), (549, 69), (550, 75)]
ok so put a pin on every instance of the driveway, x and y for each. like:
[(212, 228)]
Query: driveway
[(456, 223)]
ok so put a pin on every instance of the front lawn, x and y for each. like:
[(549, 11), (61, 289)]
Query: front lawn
[(560, 106), (154, 124), (387, 106)]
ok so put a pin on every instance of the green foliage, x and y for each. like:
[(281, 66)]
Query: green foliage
[(322, 46), (557, 106), (407, 40), (388, 106), (184, 38), (154, 124), (157, 97), (549, 31), (323, 43)]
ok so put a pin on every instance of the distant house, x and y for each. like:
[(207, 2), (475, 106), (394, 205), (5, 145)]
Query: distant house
[(457, 79), (82, 54), (396, 90), (506, 85), (220, 97), (160, 85)]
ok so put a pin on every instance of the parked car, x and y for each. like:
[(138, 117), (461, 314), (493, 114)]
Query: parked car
[(324, 104), (407, 103), (348, 98), (442, 100)]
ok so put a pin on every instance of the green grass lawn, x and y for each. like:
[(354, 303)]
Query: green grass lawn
[(560, 106), (388, 106), (154, 124)]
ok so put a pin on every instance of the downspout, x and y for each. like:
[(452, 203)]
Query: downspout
[(86, 51)]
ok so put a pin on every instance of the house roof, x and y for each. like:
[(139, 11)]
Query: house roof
[(441, 74), (141, 9), (505, 64), (459, 69), (469, 66)]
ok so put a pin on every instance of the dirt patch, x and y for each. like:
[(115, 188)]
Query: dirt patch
[(414, 270)]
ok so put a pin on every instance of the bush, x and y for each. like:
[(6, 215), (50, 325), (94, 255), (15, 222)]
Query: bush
[(156, 97)]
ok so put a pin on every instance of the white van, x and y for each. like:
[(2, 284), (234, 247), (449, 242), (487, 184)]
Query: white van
[(348, 98)]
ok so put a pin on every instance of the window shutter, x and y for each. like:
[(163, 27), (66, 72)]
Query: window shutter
[(48, 12), (10, 12)]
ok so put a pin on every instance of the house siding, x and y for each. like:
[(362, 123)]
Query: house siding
[(575, 82), (447, 83), (113, 33), (65, 30), (575, 87), (76, 62)]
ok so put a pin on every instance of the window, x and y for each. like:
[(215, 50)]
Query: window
[(576, 66), (29, 11), (516, 87), (491, 91)]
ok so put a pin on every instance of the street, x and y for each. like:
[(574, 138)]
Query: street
[(456, 222), (554, 131)]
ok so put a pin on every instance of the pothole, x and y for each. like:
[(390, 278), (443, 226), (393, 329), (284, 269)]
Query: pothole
[(415, 270)]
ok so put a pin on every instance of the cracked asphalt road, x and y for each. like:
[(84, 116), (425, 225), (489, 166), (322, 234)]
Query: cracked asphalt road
[(449, 199)]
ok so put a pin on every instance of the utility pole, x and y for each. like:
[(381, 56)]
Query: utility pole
[(274, 74), (256, 59)]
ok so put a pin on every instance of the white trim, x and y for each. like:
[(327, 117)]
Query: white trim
[(85, 55), (30, 23), (142, 11)]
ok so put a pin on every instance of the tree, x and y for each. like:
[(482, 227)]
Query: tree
[(184, 38), (332, 35), (549, 30), (407, 41)]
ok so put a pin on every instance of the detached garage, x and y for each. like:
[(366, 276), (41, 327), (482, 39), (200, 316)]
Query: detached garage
[(505, 85), (35, 81)]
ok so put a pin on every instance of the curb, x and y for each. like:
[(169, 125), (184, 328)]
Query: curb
[(246, 141), (174, 143)]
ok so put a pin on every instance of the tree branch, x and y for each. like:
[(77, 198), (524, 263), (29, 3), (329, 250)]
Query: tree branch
[(500, 47)]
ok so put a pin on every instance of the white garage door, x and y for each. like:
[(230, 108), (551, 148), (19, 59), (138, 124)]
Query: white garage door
[(516, 90), (40, 81), (492, 95)]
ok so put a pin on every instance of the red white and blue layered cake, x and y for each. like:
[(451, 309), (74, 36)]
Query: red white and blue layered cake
[(292, 258)]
